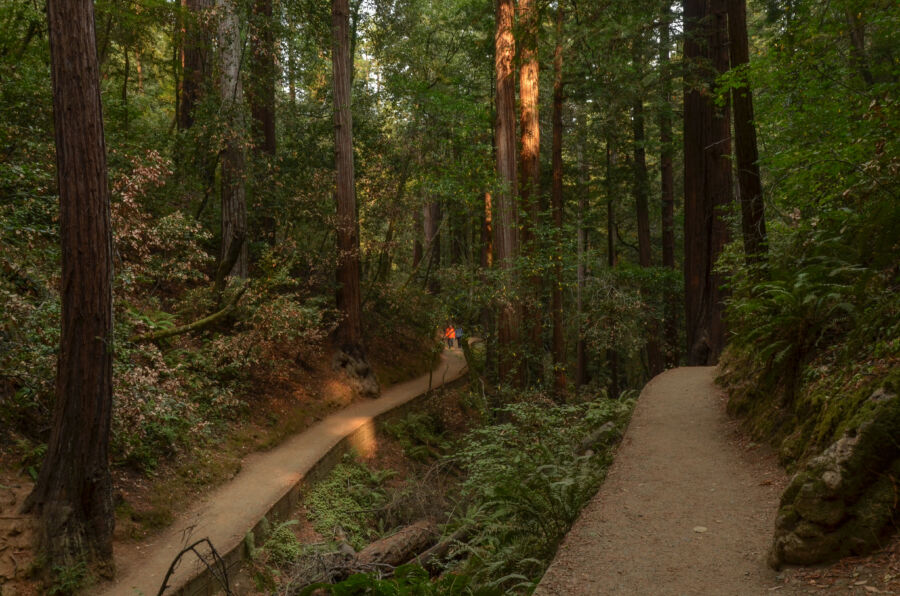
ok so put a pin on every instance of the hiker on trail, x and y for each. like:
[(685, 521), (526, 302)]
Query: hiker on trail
[(459, 334), (450, 334)]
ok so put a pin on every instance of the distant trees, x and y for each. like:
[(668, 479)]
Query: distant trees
[(73, 493)]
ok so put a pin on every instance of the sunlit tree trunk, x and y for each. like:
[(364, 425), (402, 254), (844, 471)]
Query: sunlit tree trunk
[(233, 193), (73, 491), (707, 178), (505, 212), (529, 161), (667, 180), (753, 221), (556, 200)]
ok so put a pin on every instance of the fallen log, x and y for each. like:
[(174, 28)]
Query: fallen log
[(427, 558), (398, 547), (195, 326)]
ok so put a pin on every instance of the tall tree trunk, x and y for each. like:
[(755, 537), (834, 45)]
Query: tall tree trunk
[(641, 197), (263, 72), (559, 342), (433, 218), (419, 227), (612, 258), (707, 178), (195, 62), (505, 213), (581, 376), (351, 355), (73, 491), (667, 185), (233, 193), (529, 160), (487, 262), (857, 29), (753, 221)]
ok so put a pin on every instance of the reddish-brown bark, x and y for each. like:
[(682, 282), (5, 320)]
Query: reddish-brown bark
[(667, 193), (349, 331), (753, 221), (505, 213), (707, 178), (556, 203), (73, 490)]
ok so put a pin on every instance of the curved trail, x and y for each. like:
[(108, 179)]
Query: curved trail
[(684, 509), (229, 512)]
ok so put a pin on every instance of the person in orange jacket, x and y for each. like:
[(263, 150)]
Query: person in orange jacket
[(450, 335)]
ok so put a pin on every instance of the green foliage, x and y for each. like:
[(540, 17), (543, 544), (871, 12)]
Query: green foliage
[(419, 434), (407, 579), (69, 580), (525, 485), (282, 546), (348, 498)]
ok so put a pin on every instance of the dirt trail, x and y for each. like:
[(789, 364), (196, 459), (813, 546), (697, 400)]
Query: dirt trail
[(685, 508), (229, 512)]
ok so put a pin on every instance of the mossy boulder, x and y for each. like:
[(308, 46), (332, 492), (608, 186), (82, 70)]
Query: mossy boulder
[(843, 501)]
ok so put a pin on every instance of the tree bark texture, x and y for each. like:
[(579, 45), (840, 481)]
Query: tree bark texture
[(667, 179), (529, 165), (556, 203), (349, 331), (641, 198), (233, 192), (195, 61), (505, 213), (263, 72), (73, 491), (753, 221), (707, 178)]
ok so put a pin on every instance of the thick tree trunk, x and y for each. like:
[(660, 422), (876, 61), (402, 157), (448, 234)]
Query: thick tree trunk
[(556, 200), (195, 62), (505, 213), (753, 221), (707, 178), (667, 179), (641, 198), (351, 353), (73, 491), (233, 193), (263, 72), (529, 164)]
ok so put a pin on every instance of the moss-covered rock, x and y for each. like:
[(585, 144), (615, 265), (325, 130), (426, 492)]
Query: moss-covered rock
[(844, 500)]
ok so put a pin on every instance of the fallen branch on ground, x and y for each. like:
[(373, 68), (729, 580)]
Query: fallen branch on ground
[(196, 325)]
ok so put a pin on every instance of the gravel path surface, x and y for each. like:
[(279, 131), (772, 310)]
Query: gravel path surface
[(686, 508)]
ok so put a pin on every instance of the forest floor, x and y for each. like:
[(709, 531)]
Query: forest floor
[(688, 507)]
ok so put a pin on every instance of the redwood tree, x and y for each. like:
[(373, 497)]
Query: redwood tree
[(73, 491), (556, 204), (529, 157), (233, 189), (348, 335), (753, 221), (707, 177), (505, 241)]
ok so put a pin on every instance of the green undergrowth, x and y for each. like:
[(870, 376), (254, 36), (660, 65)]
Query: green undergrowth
[(508, 488)]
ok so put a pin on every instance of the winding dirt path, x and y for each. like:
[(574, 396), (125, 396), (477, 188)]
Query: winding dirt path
[(685, 509), (266, 479)]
